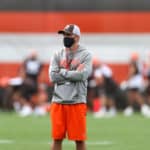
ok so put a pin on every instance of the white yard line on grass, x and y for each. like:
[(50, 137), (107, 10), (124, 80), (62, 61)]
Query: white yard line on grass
[(95, 143), (100, 143), (67, 143), (5, 141)]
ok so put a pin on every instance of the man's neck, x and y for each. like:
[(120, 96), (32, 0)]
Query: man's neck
[(73, 48)]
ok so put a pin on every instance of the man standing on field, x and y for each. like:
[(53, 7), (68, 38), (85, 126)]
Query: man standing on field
[(69, 70)]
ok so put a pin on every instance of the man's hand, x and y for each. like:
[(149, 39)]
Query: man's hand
[(75, 63), (80, 67), (63, 64)]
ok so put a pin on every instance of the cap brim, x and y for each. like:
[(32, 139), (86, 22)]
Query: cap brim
[(64, 32)]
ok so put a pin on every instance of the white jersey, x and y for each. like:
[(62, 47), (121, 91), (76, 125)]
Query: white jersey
[(136, 82)]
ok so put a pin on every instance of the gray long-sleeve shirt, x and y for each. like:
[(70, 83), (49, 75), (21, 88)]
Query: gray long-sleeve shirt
[(70, 85)]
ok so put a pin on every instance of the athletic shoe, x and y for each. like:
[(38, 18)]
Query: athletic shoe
[(101, 113), (40, 111), (145, 110), (128, 111), (111, 112), (16, 106), (25, 111)]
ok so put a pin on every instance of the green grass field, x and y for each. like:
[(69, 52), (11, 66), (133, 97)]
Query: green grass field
[(33, 133)]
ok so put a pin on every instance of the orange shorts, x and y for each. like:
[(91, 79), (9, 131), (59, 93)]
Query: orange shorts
[(68, 119)]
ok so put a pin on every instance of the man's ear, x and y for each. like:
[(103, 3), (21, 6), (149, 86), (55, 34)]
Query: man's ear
[(77, 39)]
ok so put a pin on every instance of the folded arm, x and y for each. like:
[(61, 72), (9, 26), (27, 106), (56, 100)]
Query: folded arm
[(81, 73), (54, 69)]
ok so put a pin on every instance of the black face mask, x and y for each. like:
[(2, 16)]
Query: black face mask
[(68, 42)]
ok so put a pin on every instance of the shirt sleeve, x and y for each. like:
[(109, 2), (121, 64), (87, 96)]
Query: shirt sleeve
[(75, 75), (54, 69)]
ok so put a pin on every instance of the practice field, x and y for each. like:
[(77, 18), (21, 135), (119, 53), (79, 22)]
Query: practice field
[(33, 133)]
